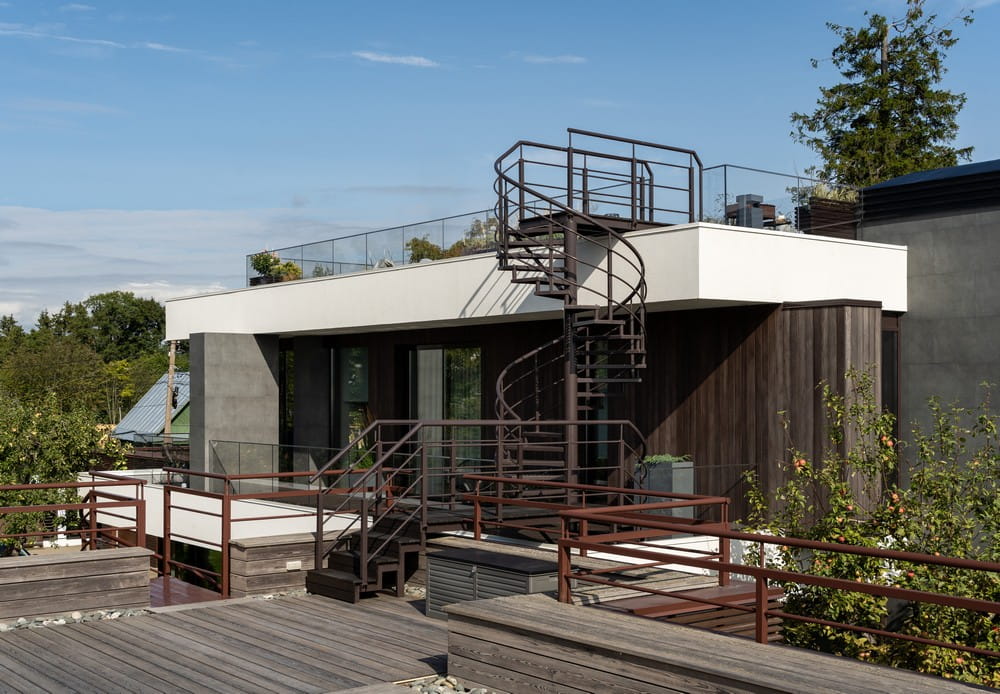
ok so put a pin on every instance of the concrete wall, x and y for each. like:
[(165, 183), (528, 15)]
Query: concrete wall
[(234, 392), (950, 334)]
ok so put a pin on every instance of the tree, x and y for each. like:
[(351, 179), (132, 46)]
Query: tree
[(951, 508), (887, 119), (46, 363), (116, 325), (43, 442)]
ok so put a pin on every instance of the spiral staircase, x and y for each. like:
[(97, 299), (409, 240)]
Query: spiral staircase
[(563, 218)]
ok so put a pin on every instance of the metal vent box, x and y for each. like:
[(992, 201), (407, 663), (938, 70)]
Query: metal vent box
[(457, 575)]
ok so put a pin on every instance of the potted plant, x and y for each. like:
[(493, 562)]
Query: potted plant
[(270, 268), (665, 472), (264, 264)]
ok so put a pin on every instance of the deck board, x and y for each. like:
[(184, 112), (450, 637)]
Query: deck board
[(307, 644)]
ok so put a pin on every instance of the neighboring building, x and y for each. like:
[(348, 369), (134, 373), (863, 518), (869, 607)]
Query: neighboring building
[(145, 422), (949, 219), (740, 324)]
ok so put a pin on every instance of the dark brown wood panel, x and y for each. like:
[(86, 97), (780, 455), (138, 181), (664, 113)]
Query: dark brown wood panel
[(716, 383)]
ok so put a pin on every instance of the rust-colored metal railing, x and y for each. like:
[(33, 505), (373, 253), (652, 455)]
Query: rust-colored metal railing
[(97, 502), (761, 575), (409, 468), (219, 506), (557, 497)]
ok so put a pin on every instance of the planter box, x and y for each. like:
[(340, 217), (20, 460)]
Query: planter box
[(43, 585)]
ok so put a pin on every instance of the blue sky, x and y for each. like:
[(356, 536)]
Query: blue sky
[(149, 146)]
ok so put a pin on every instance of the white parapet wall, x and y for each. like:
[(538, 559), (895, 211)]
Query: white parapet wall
[(198, 518), (687, 266)]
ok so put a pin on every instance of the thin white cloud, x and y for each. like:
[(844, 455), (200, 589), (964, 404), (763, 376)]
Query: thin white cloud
[(165, 48), (57, 106), (76, 7), (411, 60), (20, 31), (555, 59)]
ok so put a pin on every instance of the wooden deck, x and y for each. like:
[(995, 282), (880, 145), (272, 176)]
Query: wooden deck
[(533, 643), (166, 591), (292, 644)]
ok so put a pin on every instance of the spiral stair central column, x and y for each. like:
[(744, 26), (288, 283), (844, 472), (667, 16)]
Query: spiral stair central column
[(571, 401)]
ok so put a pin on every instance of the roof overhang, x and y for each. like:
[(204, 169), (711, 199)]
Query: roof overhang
[(688, 266)]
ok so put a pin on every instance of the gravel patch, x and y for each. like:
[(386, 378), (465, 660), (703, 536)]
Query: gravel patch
[(72, 618)]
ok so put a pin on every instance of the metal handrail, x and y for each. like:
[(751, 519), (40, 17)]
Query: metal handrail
[(609, 543), (378, 481)]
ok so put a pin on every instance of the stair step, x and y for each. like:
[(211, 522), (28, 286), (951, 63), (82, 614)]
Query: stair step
[(330, 583), (588, 379)]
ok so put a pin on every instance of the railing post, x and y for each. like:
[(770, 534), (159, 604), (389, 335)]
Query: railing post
[(424, 480), (477, 517), (760, 616), (520, 188), (363, 549), (724, 545), (632, 185), (452, 474), (166, 533), (691, 210), (140, 523), (320, 513), (92, 499), (226, 532), (565, 565)]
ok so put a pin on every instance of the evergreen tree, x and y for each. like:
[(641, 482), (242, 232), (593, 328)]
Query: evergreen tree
[(887, 118)]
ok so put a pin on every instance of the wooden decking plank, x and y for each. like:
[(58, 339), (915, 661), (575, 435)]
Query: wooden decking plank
[(207, 676), (623, 664), (519, 655), (21, 677), (282, 677), (62, 659), (379, 632), (402, 615), (83, 657), (384, 628), (654, 642), (85, 641), (199, 657), (259, 645), (492, 677), (155, 663), (352, 653), (724, 656)]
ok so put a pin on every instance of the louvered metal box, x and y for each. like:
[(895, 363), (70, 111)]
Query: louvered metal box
[(458, 575)]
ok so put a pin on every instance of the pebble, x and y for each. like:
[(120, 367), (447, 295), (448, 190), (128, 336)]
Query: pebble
[(445, 685), (72, 618)]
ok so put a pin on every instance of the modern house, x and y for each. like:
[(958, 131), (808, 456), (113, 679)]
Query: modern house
[(604, 296)]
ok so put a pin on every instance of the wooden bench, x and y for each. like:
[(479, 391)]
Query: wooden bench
[(531, 643)]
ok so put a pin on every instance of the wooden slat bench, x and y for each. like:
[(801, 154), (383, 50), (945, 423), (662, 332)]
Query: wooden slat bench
[(532, 643)]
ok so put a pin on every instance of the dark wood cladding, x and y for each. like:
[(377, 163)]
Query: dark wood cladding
[(721, 384), (718, 384), (822, 217)]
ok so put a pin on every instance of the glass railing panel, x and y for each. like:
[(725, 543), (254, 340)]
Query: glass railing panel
[(317, 259), (386, 248), (350, 254)]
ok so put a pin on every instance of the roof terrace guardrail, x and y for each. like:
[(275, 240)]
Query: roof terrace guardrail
[(783, 200), (446, 237)]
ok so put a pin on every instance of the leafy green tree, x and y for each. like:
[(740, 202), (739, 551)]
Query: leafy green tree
[(43, 442), (117, 325), (887, 118), (11, 336), (47, 364), (951, 508)]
